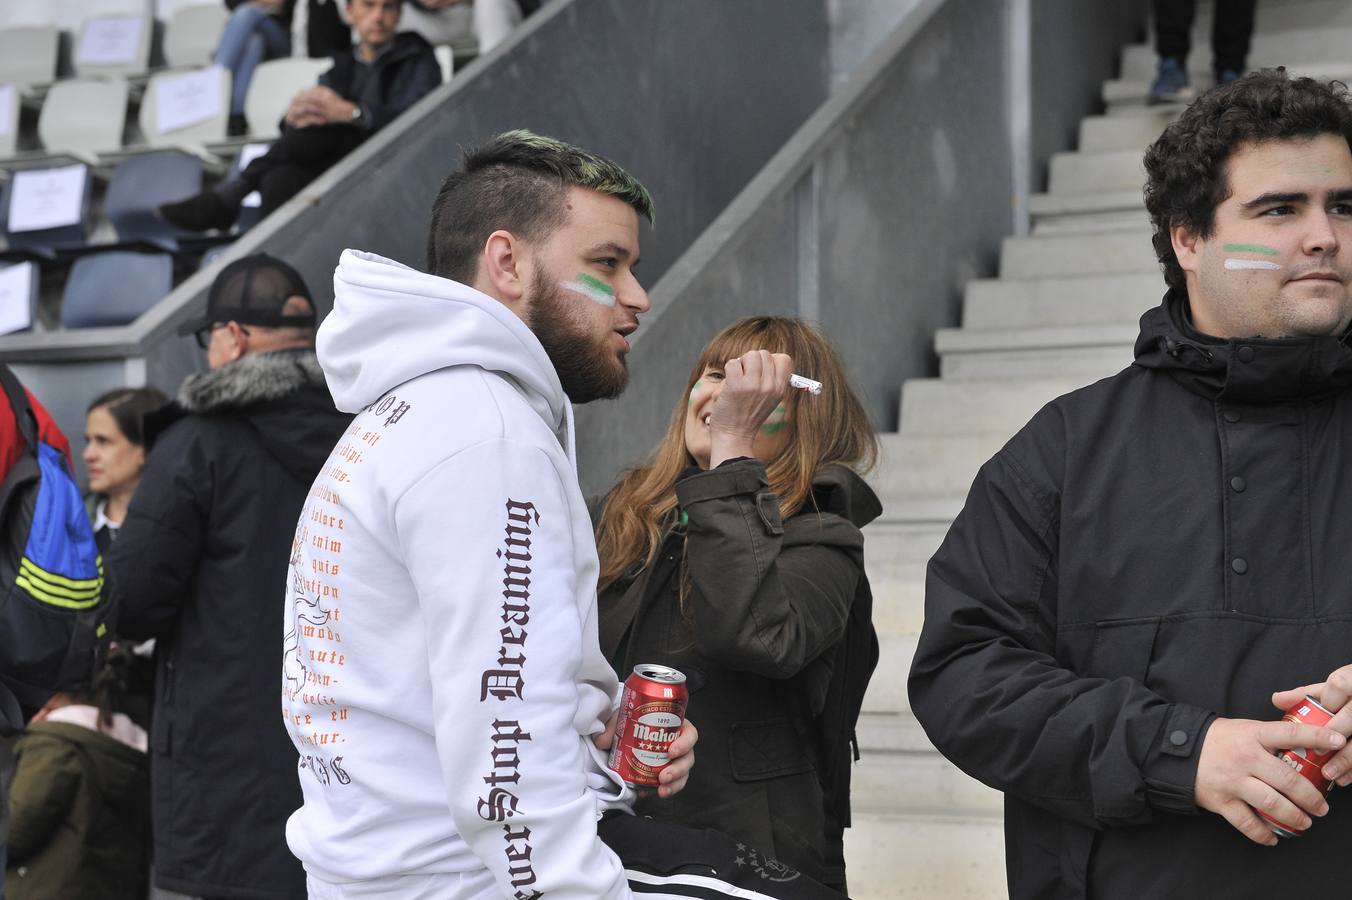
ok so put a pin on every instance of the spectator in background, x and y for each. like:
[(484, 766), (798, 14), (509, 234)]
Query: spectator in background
[(447, 21), (369, 84), (1231, 29), (80, 802), (258, 30), (114, 456), (319, 28), (198, 565)]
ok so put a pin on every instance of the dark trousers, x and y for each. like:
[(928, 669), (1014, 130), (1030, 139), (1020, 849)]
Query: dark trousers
[(676, 861), (297, 158), (1231, 29)]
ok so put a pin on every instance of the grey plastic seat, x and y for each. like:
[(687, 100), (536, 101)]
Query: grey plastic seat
[(29, 54), (83, 116), (18, 307), (144, 182), (196, 134), (10, 101), (192, 32), (114, 287), (94, 55), (272, 88)]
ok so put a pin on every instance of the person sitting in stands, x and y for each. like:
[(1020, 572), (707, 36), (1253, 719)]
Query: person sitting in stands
[(368, 86)]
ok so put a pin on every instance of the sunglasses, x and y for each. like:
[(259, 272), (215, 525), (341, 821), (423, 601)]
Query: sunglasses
[(203, 334)]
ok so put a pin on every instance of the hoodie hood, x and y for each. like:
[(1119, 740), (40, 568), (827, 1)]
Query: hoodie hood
[(1254, 370), (391, 323)]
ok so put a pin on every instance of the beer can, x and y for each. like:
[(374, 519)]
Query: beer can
[(652, 709), (1309, 763)]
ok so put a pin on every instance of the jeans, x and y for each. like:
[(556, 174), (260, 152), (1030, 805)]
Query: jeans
[(251, 36), (1231, 30)]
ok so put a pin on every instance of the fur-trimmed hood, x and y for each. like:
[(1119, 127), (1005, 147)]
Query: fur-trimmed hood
[(255, 378), (281, 395)]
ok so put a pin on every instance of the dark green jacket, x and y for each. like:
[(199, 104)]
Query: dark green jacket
[(79, 817), (768, 610)]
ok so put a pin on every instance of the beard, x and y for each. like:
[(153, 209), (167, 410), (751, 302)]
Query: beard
[(588, 369)]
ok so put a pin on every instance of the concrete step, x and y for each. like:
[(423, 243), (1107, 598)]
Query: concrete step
[(1326, 38), (898, 768), (933, 463), (887, 689), (927, 857), (942, 406), (1136, 132), (1080, 213), (1089, 352), (1084, 300), (1097, 173), (1104, 253), (1122, 93)]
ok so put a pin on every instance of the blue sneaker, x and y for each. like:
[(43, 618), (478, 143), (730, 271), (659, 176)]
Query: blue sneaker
[(1225, 76), (1171, 82)]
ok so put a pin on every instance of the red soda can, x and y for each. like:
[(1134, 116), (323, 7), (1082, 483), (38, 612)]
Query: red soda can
[(1309, 763), (652, 709)]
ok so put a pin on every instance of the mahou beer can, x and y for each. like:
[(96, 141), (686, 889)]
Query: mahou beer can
[(652, 709), (1309, 763)]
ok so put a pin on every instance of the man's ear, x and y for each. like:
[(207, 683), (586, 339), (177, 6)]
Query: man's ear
[(1187, 247), (239, 341), (504, 270)]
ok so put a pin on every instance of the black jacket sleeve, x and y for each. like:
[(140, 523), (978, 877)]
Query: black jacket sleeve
[(988, 687), (415, 78), (154, 558), (768, 597)]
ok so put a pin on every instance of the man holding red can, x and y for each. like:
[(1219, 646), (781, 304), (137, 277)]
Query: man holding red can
[(1154, 569)]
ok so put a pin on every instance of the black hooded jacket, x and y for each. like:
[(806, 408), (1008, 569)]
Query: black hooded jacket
[(200, 564), (1152, 551), (763, 646)]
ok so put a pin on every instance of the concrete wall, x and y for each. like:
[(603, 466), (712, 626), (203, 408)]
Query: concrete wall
[(876, 214), (667, 89)]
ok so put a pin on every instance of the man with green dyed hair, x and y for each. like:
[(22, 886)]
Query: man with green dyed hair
[(443, 679)]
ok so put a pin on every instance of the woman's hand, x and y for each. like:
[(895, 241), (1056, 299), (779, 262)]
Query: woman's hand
[(681, 755), (753, 387)]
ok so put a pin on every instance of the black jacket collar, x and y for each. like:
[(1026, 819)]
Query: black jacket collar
[(1254, 370)]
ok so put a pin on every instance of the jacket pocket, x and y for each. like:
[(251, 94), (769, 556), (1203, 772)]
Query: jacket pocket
[(1123, 649), (770, 749)]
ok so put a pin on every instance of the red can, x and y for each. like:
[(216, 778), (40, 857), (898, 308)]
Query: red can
[(651, 712), (1309, 763)]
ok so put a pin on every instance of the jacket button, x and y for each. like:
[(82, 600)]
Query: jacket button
[(1245, 354), (1240, 565), (1231, 416), (1239, 484), (1178, 738)]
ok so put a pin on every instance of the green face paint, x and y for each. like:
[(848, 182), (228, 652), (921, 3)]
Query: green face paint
[(591, 288), (1251, 248), (693, 390), (777, 420)]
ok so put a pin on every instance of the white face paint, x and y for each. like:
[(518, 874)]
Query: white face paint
[(591, 288), (1234, 264)]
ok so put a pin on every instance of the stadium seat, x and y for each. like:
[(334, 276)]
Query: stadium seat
[(50, 240), (18, 296), (446, 59), (114, 287), (142, 183), (28, 54), (274, 83), (113, 45), (80, 117), (192, 32), (10, 102), (215, 108)]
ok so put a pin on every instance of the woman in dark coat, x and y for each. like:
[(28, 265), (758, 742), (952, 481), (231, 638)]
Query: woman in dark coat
[(736, 557)]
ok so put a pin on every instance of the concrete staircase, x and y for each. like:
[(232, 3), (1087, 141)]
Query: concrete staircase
[(1062, 313)]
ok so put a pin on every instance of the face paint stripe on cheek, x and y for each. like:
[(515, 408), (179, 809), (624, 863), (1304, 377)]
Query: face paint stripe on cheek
[(776, 420), (1242, 264), (694, 390), (591, 288), (1251, 248)]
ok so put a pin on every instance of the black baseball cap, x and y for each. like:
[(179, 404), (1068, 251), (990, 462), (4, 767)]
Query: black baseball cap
[(253, 291)]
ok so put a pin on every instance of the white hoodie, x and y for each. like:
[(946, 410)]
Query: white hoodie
[(443, 678)]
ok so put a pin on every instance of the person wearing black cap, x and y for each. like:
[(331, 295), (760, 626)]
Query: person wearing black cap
[(197, 564)]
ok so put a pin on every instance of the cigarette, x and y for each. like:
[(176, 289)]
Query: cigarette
[(805, 384)]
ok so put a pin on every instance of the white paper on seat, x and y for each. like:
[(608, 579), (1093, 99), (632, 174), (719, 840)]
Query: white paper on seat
[(46, 198), (247, 154), (16, 291), (6, 107), (110, 41), (183, 100)]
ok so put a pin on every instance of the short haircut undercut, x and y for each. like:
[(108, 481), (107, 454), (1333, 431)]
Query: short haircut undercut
[(1187, 175), (517, 182)]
